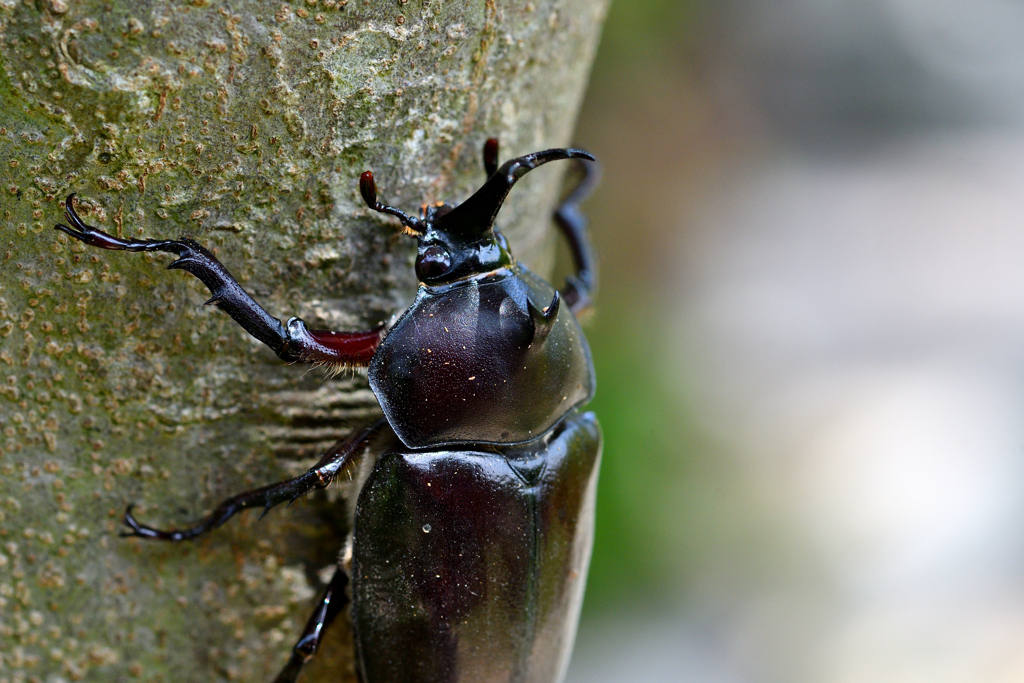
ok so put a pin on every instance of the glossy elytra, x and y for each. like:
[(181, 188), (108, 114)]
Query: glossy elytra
[(471, 534)]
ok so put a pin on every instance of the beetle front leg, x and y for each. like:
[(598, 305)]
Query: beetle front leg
[(291, 341), (330, 605), (580, 288), (340, 456)]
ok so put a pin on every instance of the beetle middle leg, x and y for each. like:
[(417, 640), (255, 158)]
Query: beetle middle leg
[(330, 605), (337, 459), (291, 340)]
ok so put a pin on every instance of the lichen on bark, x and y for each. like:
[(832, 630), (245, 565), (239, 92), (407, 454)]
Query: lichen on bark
[(244, 124)]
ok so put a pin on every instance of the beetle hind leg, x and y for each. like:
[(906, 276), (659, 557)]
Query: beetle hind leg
[(330, 605)]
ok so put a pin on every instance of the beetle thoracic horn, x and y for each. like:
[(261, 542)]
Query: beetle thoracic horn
[(368, 188), (475, 216)]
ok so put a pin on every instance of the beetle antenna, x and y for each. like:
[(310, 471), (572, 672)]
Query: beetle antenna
[(368, 188), (476, 215)]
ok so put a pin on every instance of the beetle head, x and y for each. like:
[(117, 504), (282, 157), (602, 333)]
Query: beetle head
[(459, 242)]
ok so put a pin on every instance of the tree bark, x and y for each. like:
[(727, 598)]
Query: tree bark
[(244, 124)]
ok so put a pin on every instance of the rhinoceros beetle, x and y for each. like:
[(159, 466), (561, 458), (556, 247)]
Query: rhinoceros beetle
[(471, 535)]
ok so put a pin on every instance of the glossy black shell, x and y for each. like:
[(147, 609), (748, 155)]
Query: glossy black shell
[(462, 365), (469, 566)]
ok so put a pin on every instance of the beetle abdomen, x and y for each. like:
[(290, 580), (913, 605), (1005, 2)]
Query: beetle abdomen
[(470, 566), (463, 364)]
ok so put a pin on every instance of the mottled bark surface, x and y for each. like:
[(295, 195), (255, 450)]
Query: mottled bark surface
[(244, 124)]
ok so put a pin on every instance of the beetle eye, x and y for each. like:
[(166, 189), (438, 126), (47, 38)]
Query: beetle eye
[(433, 263)]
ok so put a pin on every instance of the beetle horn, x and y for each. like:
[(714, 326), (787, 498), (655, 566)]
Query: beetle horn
[(543, 320), (476, 215), (368, 188)]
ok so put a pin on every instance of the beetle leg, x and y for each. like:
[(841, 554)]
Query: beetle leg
[(340, 456), (330, 605), (292, 341), (580, 288)]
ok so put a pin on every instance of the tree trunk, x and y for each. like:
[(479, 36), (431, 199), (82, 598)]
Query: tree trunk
[(246, 125)]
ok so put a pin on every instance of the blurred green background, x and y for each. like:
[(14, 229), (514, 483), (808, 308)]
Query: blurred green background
[(648, 123)]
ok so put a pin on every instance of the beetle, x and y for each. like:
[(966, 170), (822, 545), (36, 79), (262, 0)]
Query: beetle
[(471, 534)]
